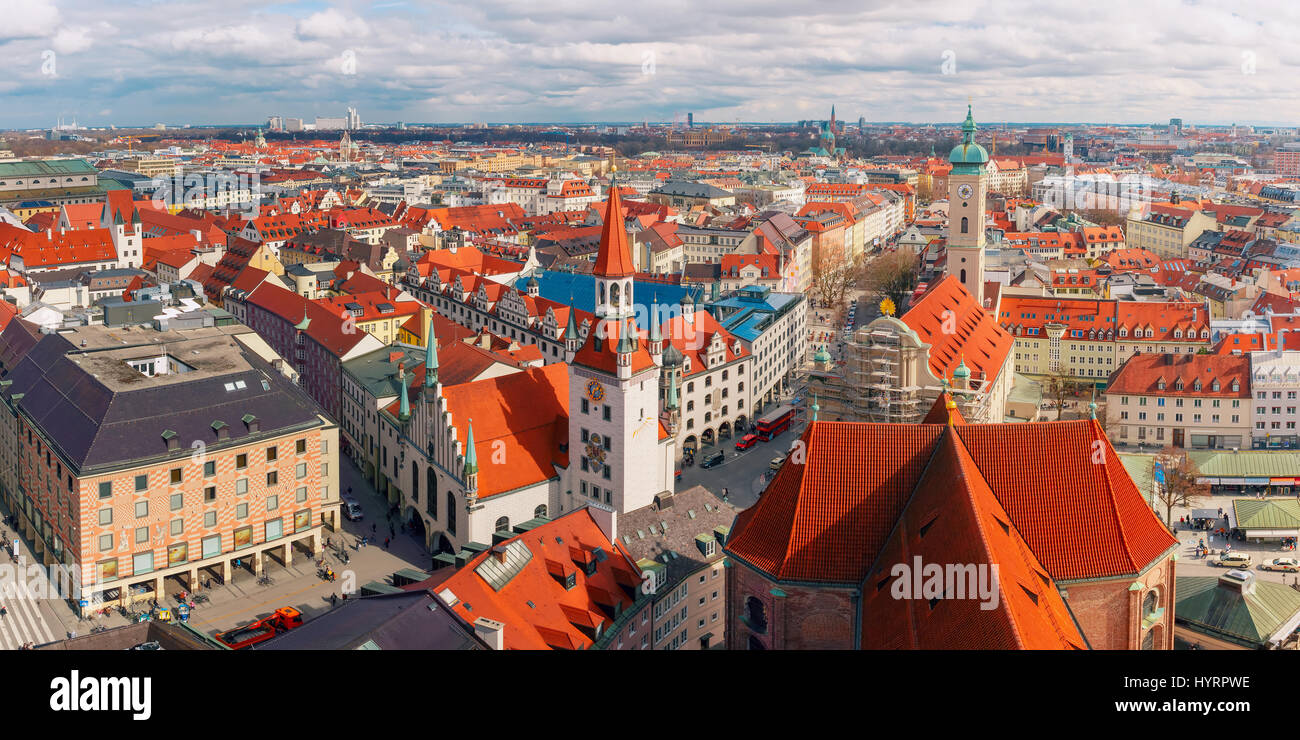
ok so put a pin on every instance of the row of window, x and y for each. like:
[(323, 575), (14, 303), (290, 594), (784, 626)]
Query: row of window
[(178, 552), (241, 484)]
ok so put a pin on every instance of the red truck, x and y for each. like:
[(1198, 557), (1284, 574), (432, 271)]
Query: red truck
[(284, 619)]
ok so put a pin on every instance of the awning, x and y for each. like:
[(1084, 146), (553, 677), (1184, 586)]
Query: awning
[(375, 588), (407, 576), (1282, 481), (1257, 481)]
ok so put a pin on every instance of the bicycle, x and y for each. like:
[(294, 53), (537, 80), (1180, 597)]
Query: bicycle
[(265, 581)]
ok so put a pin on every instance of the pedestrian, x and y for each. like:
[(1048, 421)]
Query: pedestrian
[(334, 599), (386, 541), (374, 528)]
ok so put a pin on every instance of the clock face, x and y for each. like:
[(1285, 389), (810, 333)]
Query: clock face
[(595, 391), (964, 190)]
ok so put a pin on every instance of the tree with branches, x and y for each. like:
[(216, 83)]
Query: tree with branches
[(891, 275), (1180, 487), (1059, 385), (832, 277)]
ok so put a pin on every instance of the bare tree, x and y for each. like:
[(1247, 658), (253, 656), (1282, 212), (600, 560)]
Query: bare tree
[(1180, 487), (1059, 384), (832, 278), (891, 275)]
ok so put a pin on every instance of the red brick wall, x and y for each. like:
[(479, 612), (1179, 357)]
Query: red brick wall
[(1110, 614), (806, 618), (193, 506)]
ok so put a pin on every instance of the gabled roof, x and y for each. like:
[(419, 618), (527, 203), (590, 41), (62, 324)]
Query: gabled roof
[(827, 520), (955, 518), (525, 593), (977, 338), (522, 418), (614, 259)]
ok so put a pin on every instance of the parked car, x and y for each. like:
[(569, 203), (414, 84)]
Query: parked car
[(352, 510), (1233, 560), (712, 460), (747, 441), (1286, 565), (777, 462)]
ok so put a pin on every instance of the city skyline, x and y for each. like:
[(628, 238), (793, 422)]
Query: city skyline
[(509, 62)]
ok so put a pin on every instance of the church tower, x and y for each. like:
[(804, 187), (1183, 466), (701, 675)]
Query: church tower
[(967, 192), (615, 455)]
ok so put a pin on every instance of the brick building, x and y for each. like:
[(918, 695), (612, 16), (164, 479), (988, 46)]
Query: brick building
[(818, 561), (136, 455)]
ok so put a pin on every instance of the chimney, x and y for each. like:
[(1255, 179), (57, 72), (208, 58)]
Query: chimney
[(499, 553), (491, 631), (605, 518)]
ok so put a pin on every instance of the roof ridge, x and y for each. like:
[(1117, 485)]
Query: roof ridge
[(1107, 451)]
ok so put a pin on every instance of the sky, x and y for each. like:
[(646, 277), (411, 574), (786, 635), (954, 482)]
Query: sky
[(140, 62)]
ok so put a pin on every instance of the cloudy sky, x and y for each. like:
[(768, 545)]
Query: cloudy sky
[(137, 62)]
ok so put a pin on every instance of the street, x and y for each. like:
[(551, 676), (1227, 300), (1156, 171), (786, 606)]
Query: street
[(243, 600)]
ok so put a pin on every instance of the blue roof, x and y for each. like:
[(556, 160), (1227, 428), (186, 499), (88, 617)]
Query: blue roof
[(749, 311), (564, 287)]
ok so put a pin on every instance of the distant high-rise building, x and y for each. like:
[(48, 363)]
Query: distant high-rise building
[(354, 120), (1176, 124), (690, 120), (275, 123), (862, 123), (293, 124)]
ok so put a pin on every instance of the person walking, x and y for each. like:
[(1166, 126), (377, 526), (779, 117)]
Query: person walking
[(386, 541)]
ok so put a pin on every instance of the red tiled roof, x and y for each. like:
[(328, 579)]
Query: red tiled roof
[(954, 517), (826, 520), (521, 418), (976, 338), (536, 610), (1143, 375), (615, 257)]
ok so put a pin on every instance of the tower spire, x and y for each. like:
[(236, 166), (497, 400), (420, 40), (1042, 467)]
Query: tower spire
[(431, 359), (404, 410), (471, 457)]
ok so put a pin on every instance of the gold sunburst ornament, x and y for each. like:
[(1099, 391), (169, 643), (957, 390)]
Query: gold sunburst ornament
[(887, 307)]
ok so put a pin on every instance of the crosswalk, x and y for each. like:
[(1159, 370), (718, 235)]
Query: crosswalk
[(24, 622)]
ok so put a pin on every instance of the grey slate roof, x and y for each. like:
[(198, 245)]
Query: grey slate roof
[(410, 620), (689, 514), (119, 417)]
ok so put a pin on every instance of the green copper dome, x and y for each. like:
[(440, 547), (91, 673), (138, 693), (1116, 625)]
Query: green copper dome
[(822, 355), (968, 152), (961, 371)]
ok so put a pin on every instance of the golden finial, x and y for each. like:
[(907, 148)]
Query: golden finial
[(887, 307)]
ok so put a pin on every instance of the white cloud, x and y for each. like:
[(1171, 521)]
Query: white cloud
[(27, 18), (518, 60), (331, 24)]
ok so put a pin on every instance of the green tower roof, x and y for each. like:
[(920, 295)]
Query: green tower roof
[(968, 152), (471, 457)]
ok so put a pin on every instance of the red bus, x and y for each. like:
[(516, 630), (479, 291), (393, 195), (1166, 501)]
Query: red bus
[(774, 422)]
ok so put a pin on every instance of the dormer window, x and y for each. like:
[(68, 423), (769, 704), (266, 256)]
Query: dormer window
[(1160, 384)]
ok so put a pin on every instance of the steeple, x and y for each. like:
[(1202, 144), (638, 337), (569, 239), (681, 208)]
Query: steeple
[(431, 359), (404, 411), (614, 259), (471, 457)]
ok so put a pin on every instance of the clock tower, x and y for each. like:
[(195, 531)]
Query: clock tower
[(967, 193), (616, 455)]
